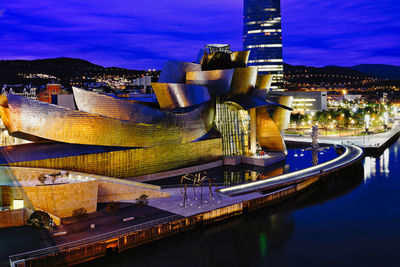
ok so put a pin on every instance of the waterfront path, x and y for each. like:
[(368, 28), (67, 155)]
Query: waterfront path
[(364, 141), (351, 154), (236, 194), (222, 204)]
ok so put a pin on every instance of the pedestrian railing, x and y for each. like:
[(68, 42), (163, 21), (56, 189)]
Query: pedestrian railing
[(90, 240)]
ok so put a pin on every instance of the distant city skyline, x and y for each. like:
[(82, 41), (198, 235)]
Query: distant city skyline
[(143, 35)]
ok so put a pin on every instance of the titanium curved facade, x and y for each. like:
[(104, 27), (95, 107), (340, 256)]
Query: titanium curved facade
[(177, 95), (243, 81), (197, 104), (217, 81), (175, 71), (268, 134), (70, 126)]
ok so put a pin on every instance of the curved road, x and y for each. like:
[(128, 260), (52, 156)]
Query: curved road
[(350, 155)]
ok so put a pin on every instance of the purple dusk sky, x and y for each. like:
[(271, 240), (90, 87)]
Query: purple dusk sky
[(144, 34)]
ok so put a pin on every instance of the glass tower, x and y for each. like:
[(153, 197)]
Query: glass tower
[(262, 35)]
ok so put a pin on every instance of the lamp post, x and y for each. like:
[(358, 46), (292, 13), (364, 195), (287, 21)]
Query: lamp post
[(386, 119), (367, 121)]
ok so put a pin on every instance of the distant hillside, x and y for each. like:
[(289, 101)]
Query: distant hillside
[(381, 71), (328, 70), (63, 68)]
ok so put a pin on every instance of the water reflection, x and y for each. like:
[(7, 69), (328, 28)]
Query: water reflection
[(259, 238), (245, 173), (374, 165)]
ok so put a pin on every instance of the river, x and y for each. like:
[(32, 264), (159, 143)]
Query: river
[(350, 219)]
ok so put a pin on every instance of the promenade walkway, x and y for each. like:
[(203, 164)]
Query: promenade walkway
[(365, 141), (351, 154), (236, 194), (173, 209)]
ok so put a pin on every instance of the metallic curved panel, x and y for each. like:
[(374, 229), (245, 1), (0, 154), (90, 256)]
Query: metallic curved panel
[(280, 116), (175, 71), (177, 95), (268, 134), (217, 61), (243, 81), (201, 57), (217, 81), (240, 58), (264, 81), (60, 124), (107, 106), (248, 102)]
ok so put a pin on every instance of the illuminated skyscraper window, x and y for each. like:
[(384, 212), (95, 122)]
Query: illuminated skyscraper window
[(262, 35)]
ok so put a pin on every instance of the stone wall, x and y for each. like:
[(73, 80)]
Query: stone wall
[(59, 200), (12, 218), (113, 191)]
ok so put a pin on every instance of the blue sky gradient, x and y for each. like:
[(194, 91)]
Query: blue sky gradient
[(144, 34)]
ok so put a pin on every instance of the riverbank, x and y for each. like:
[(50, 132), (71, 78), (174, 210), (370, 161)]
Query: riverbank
[(198, 210), (373, 143)]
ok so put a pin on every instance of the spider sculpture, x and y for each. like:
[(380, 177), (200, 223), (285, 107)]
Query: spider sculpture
[(195, 180)]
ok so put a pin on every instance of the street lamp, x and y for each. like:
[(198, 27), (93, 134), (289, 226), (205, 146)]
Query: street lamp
[(386, 119), (367, 121)]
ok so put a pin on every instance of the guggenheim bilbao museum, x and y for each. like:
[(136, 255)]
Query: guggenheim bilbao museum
[(214, 108)]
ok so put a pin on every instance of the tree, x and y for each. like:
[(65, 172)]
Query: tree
[(40, 220), (79, 214), (42, 178), (297, 118), (143, 199), (112, 208)]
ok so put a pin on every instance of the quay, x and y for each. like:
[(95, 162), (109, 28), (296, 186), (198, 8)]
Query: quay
[(198, 210), (372, 143)]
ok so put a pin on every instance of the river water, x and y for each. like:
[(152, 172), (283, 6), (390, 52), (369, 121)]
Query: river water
[(350, 219)]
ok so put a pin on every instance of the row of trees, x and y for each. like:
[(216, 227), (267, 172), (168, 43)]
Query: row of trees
[(342, 118)]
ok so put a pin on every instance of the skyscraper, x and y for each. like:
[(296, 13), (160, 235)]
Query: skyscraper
[(262, 35)]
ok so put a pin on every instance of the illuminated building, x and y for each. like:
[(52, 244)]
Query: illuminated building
[(143, 83), (51, 89), (206, 110), (262, 35), (306, 101)]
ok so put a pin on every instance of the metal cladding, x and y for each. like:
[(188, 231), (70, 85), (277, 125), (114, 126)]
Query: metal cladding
[(264, 81), (240, 58), (217, 81), (55, 123), (201, 56), (133, 162), (177, 95), (175, 71), (121, 109), (248, 102), (243, 81), (280, 116), (268, 134), (122, 138), (107, 106)]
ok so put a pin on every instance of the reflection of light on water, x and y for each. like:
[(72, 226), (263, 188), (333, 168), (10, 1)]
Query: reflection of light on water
[(384, 163), (369, 168)]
